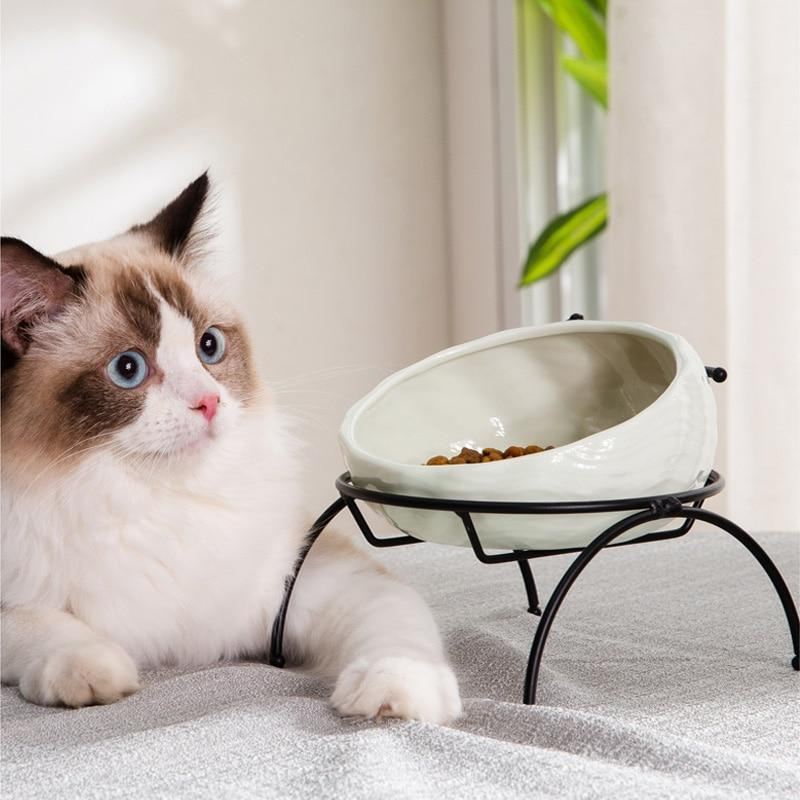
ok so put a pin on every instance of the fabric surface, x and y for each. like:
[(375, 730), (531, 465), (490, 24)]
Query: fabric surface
[(667, 674)]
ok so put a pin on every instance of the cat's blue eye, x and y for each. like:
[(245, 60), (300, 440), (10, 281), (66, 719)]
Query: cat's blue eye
[(127, 370), (211, 347)]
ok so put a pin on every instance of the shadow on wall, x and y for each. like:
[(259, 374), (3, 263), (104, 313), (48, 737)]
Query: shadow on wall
[(324, 127), (106, 112)]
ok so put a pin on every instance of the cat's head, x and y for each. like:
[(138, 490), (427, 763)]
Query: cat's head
[(122, 345)]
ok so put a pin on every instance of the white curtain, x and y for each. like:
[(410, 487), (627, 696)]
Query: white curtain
[(704, 240)]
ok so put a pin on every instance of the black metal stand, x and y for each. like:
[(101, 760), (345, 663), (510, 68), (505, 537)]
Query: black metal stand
[(685, 506)]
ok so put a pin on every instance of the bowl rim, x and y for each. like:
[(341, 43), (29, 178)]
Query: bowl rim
[(677, 345)]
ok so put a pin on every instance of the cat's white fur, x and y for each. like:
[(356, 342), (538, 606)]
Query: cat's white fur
[(116, 566)]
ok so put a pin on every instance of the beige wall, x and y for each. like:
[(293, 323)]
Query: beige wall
[(762, 235), (324, 125), (704, 240), (666, 262), (485, 209)]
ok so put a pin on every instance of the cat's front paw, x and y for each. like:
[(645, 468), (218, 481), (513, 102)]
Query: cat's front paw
[(80, 675), (397, 686)]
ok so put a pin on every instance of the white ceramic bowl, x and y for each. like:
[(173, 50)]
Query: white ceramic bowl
[(627, 407)]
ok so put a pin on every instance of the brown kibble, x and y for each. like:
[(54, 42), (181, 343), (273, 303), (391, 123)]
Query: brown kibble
[(513, 452), (469, 455)]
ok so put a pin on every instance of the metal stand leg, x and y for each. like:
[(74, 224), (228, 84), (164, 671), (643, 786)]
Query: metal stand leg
[(276, 657), (605, 538), (560, 592), (766, 562), (530, 588)]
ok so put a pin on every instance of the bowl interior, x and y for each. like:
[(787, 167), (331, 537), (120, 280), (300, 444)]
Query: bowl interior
[(546, 390)]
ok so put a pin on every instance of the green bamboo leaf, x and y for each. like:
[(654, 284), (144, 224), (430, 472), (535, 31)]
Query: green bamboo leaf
[(592, 75), (577, 19), (562, 236), (547, 7), (600, 6)]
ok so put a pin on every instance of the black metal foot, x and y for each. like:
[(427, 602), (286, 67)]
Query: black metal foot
[(530, 588), (608, 536), (652, 508), (560, 592), (276, 657)]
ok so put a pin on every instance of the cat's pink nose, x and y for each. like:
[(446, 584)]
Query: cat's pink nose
[(207, 405)]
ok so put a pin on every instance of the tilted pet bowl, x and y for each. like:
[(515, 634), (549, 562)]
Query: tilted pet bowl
[(629, 411), (627, 407)]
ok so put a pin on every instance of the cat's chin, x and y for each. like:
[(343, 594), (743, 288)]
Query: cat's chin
[(185, 453), (189, 450), (194, 448)]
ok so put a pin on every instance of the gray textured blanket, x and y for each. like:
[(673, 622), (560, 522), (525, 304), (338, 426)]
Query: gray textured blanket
[(666, 675)]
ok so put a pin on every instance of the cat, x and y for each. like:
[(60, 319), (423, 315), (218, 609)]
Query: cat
[(151, 500)]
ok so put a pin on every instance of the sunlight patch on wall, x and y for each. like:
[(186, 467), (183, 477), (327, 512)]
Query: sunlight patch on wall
[(71, 96)]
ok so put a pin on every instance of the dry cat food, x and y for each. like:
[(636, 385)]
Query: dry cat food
[(470, 456)]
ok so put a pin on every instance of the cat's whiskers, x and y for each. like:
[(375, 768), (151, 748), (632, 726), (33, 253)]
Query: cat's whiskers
[(72, 452), (161, 457), (323, 374), (312, 392), (246, 398), (297, 417), (143, 463)]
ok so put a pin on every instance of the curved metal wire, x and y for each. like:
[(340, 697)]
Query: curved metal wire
[(608, 536), (647, 509), (276, 655), (345, 486)]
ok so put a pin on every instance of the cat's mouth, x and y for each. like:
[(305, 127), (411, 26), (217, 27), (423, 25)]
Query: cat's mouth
[(183, 446), (198, 443), (193, 445)]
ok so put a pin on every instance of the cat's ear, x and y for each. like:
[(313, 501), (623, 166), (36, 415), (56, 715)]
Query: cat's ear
[(33, 288), (177, 228)]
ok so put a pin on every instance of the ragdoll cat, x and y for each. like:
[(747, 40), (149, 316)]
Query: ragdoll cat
[(151, 507)]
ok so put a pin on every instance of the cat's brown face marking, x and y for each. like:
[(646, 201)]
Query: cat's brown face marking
[(235, 370), (135, 301), (175, 291), (135, 296), (94, 406), (60, 397)]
